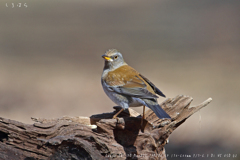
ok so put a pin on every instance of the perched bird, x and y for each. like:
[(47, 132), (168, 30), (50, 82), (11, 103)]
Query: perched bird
[(128, 88)]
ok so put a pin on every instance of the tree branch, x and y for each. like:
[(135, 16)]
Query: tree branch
[(96, 137)]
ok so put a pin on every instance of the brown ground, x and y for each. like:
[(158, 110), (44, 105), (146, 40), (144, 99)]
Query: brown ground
[(50, 60)]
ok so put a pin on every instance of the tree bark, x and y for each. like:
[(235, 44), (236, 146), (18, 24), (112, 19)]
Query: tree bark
[(96, 137)]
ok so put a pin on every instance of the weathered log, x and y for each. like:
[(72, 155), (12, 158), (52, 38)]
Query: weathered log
[(97, 137)]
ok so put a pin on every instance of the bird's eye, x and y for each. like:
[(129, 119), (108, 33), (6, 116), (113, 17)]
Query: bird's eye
[(115, 57)]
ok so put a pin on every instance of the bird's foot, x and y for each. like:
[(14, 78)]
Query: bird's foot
[(142, 119), (115, 116)]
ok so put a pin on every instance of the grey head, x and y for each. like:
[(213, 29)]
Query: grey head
[(113, 59)]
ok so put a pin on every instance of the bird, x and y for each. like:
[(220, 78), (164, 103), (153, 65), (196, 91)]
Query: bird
[(128, 88)]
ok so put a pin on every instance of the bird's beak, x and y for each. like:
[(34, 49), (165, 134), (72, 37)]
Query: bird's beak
[(107, 58)]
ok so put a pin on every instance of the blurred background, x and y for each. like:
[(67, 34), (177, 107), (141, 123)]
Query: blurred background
[(51, 65)]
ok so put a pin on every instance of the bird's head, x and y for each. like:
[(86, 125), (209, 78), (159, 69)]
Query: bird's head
[(113, 59)]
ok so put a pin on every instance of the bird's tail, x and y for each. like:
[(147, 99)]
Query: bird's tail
[(156, 108)]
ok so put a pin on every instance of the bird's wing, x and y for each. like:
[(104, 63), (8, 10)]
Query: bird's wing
[(127, 81), (156, 90), (135, 89)]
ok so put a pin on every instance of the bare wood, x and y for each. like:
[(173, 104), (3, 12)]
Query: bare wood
[(97, 137)]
